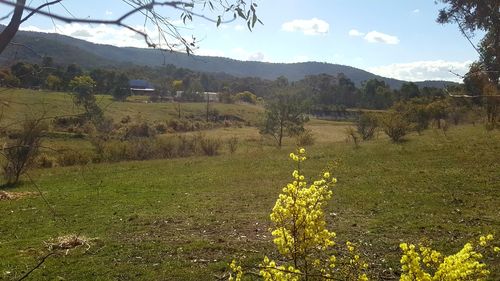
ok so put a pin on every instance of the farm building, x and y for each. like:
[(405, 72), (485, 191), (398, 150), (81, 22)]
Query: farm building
[(211, 96), (141, 87)]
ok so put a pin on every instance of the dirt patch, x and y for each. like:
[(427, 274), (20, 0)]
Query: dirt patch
[(4, 195)]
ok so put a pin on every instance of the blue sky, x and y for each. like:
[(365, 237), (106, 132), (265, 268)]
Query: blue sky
[(393, 38)]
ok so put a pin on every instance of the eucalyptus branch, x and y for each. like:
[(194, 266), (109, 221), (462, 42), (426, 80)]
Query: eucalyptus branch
[(148, 10), (36, 10)]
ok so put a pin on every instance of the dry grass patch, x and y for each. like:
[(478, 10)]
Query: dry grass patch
[(68, 242), (4, 195)]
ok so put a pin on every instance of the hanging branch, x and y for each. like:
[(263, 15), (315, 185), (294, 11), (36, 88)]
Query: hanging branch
[(147, 8)]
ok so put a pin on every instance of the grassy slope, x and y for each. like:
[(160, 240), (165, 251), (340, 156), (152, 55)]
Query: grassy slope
[(19, 103), (184, 219)]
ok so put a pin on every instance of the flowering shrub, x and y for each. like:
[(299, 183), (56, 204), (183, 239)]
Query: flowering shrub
[(426, 264), (300, 233), (307, 246)]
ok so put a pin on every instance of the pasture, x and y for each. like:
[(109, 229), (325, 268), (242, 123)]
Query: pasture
[(187, 218)]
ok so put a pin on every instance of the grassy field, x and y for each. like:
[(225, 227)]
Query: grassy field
[(18, 104), (187, 218)]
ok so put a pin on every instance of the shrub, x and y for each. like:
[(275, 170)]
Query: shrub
[(182, 125), (395, 126), (301, 235), (366, 125), (352, 136), (166, 147), (417, 114), (21, 152), (126, 119), (161, 128), (139, 149), (112, 151), (73, 157), (210, 146), (68, 122), (232, 144), (187, 146), (46, 161), (305, 138), (140, 130)]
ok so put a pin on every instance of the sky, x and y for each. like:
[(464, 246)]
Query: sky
[(393, 38)]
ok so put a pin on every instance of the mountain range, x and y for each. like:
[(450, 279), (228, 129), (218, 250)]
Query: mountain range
[(32, 46)]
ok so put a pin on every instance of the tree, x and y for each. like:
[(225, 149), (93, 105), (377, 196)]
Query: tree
[(72, 71), (477, 83), (376, 94), (53, 83), (285, 114), (247, 97), (121, 88), (481, 15), (26, 73), (168, 31), (409, 90), (7, 79), (83, 89)]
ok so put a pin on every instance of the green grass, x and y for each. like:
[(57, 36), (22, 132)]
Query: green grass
[(185, 219), (17, 104)]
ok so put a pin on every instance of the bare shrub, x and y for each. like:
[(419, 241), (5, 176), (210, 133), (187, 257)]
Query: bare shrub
[(166, 147), (187, 146), (66, 122), (366, 125), (210, 146), (232, 144), (161, 127), (352, 136), (20, 153), (305, 138), (140, 130), (45, 161), (112, 151), (73, 157), (140, 149)]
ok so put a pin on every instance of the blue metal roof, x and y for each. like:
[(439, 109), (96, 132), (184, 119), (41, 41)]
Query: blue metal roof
[(140, 84)]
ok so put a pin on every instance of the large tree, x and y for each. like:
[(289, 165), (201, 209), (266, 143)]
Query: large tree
[(216, 11), (483, 15)]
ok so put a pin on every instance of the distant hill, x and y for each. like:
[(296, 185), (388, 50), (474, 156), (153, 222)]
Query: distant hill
[(66, 50)]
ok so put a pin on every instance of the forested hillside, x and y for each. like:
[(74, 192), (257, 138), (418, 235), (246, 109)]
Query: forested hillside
[(32, 46)]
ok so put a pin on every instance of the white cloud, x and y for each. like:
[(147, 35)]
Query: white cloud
[(379, 37), (416, 11), (81, 33), (209, 52), (258, 56), (244, 55), (423, 70), (313, 26), (102, 34), (355, 33)]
